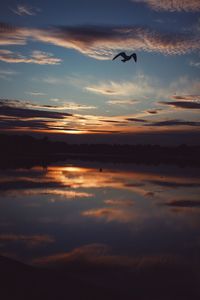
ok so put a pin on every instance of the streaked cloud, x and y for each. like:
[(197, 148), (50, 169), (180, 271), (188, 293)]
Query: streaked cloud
[(36, 94), (110, 214), (183, 203), (195, 64), (183, 97), (36, 57), (122, 102), (184, 85), (175, 122), (172, 5), (102, 42), (182, 104), (119, 202), (64, 194), (102, 255), (24, 9), (11, 35), (26, 115), (29, 240), (21, 109), (136, 120), (31, 105), (66, 105), (7, 74), (84, 253), (139, 86)]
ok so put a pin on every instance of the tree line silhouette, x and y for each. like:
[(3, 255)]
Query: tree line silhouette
[(47, 150)]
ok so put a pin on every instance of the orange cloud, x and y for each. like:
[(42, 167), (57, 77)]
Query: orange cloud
[(84, 253), (29, 240), (99, 255), (111, 214), (37, 57), (101, 42)]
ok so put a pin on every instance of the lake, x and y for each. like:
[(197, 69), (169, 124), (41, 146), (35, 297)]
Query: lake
[(131, 228)]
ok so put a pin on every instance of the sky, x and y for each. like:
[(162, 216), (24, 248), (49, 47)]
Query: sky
[(57, 75)]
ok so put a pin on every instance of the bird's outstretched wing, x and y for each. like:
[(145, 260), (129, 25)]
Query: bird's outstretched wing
[(123, 54), (134, 57)]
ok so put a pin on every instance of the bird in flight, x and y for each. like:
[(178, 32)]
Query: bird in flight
[(126, 57)]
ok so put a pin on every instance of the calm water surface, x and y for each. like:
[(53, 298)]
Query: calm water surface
[(129, 211), (126, 216)]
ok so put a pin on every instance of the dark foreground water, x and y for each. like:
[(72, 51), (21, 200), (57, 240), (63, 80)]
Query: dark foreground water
[(112, 231)]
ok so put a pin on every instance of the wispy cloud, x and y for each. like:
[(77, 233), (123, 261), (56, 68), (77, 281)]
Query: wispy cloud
[(185, 86), (7, 73), (101, 42), (140, 86), (84, 253), (195, 64), (111, 214), (70, 106), (36, 94), (186, 97), (175, 122), (172, 5), (122, 102), (54, 80), (24, 9), (36, 57), (29, 240)]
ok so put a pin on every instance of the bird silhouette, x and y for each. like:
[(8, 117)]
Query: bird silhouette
[(126, 57)]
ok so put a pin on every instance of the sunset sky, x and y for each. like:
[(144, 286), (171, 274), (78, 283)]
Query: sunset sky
[(57, 74)]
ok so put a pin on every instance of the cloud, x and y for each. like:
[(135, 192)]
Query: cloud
[(37, 57), (173, 184), (89, 252), (23, 104), (119, 202), (186, 97), (24, 9), (183, 203), (63, 106), (23, 115), (20, 109), (152, 111), (7, 74), (29, 240), (182, 104), (195, 64), (111, 214), (36, 94), (174, 123), (69, 105), (136, 120), (102, 42), (172, 5), (185, 86), (65, 194), (122, 102), (54, 80), (11, 35), (100, 255), (140, 86)]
